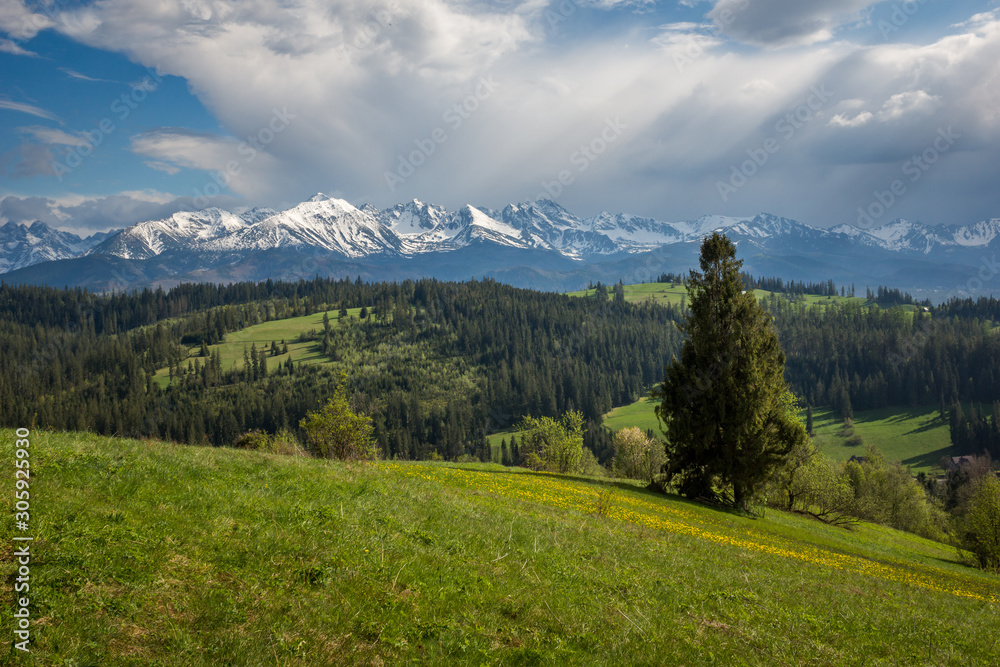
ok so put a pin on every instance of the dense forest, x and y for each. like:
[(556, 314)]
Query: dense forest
[(439, 365), (436, 364)]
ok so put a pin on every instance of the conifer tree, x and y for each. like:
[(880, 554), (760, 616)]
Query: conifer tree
[(728, 415)]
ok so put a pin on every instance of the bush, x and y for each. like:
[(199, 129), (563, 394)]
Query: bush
[(637, 456), (886, 493), (855, 441), (284, 442), (590, 466), (550, 444), (337, 432), (980, 527), (256, 440), (810, 483)]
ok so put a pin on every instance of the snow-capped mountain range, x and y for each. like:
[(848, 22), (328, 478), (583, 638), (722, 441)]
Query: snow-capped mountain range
[(415, 227), (211, 239), (23, 245)]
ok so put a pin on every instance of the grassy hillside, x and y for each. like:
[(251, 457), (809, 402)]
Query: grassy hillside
[(915, 436), (667, 294), (261, 335), (155, 554), (638, 414)]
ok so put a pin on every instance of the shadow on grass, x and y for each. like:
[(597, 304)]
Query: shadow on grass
[(930, 459), (621, 485), (929, 426), (898, 415)]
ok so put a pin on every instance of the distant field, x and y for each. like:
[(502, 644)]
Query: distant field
[(666, 294), (638, 414), (148, 553), (658, 292), (261, 335), (917, 436)]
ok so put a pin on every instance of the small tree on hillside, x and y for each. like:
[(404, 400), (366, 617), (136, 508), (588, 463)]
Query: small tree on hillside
[(555, 445), (637, 456), (337, 432), (980, 527), (727, 413)]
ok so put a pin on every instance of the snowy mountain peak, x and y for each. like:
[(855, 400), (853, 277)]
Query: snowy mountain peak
[(24, 245), (416, 228), (257, 214)]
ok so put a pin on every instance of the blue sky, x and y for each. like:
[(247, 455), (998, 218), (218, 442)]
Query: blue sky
[(826, 111)]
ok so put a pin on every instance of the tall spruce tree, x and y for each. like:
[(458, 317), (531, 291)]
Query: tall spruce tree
[(727, 413)]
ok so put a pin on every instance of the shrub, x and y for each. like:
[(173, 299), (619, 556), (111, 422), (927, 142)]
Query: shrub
[(256, 440), (637, 456), (589, 465), (554, 445), (286, 443), (980, 527), (337, 432)]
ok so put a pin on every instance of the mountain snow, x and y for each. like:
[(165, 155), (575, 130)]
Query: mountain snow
[(22, 245), (414, 228)]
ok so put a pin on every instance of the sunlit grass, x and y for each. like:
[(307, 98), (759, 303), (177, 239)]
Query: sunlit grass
[(917, 437), (666, 293), (159, 554), (262, 335)]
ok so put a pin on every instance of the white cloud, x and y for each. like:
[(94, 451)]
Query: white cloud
[(20, 22), (841, 120), (896, 107), (86, 215), (913, 101), (23, 107), (73, 74), (248, 171), (368, 81), (53, 136), (13, 48), (162, 166)]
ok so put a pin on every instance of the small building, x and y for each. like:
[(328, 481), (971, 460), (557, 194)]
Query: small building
[(858, 459), (956, 463)]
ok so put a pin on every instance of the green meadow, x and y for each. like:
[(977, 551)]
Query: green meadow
[(666, 293), (261, 335), (915, 436), (638, 414), (148, 553)]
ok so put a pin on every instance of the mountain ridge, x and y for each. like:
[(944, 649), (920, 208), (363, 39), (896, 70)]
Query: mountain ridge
[(217, 244)]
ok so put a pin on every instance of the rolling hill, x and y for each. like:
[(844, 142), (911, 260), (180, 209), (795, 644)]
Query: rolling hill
[(151, 553)]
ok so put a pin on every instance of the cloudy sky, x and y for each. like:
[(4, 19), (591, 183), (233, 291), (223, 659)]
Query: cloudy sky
[(115, 111)]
